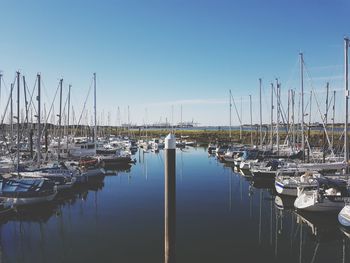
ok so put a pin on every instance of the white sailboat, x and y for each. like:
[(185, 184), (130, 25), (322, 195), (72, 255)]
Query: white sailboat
[(327, 197), (344, 214)]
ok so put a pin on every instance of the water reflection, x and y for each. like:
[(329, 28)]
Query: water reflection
[(221, 216), (289, 236), (170, 206), (114, 169)]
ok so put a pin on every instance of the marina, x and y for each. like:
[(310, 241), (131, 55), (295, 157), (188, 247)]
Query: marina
[(218, 212), (174, 131), (78, 193)]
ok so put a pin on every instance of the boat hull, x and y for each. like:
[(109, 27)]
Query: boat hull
[(344, 216), (23, 201), (283, 189), (310, 203)]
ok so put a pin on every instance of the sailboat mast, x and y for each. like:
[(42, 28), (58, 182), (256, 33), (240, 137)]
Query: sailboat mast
[(251, 120), (60, 121), (309, 128), (95, 112), (261, 138), (39, 118), (230, 105), (278, 117), (18, 113), (346, 86), (68, 113), (11, 115), (272, 107), (288, 116), (241, 126), (325, 123), (293, 118), (25, 100), (147, 122), (333, 119), (302, 103)]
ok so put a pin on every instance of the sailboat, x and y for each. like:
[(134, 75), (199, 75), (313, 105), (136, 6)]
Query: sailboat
[(344, 214), (93, 172), (329, 196), (25, 191)]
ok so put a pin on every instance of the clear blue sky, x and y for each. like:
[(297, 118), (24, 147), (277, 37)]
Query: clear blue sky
[(158, 55)]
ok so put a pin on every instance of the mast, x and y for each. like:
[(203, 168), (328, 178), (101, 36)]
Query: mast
[(327, 95), (333, 117), (288, 116), (293, 117), (39, 118), (241, 126), (95, 112), (251, 120), (11, 115), (309, 128), (278, 117), (346, 87), (325, 124), (25, 99), (302, 103), (119, 120), (261, 138), (230, 103), (69, 87), (272, 107), (60, 121), (18, 113)]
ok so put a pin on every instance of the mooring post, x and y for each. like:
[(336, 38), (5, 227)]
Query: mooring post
[(170, 199)]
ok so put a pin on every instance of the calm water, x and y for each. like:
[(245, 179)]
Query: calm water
[(221, 217)]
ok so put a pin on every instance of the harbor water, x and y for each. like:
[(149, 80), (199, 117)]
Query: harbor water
[(221, 216)]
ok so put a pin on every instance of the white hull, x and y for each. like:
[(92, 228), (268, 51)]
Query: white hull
[(286, 189), (308, 201), (288, 185), (30, 200), (344, 216)]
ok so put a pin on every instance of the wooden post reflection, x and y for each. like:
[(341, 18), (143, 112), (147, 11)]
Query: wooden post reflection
[(170, 199)]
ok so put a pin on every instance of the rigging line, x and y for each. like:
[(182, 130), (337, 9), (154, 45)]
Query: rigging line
[(54, 98), (2, 121), (26, 101), (7, 105), (11, 92), (330, 105), (234, 104), (283, 115), (65, 104), (81, 114), (3, 81), (318, 107), (31, 103), (293, 72)]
